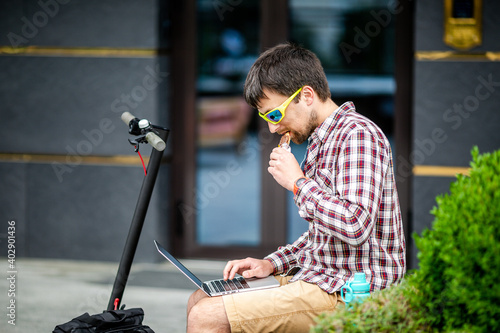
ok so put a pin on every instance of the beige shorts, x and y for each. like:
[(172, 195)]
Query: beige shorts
[(289, 308)]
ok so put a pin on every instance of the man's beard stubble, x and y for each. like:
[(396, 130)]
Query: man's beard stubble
[(301, 137)]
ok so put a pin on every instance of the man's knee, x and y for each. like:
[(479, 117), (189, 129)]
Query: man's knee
[(194, 299), (208, 314), (201, 309), (196, 313)]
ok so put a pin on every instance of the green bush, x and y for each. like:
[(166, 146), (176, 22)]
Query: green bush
[(385, 311), (457, 287), (458, 279)]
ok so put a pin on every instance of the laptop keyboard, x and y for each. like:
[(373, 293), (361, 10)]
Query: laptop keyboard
[(221, 286)]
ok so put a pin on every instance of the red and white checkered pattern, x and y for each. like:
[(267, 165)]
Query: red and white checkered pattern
[(352, 206)]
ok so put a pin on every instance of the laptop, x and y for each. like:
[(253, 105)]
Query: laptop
[(221, 287)]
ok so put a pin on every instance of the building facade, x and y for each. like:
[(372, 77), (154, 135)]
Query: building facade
[(69, 68)]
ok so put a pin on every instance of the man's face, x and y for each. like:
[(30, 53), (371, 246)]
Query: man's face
[(299, 120)]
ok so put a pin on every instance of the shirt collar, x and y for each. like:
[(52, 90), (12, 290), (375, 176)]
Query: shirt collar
[(323, 131)]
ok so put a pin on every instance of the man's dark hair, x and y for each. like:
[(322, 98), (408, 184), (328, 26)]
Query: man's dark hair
[(283, 69)]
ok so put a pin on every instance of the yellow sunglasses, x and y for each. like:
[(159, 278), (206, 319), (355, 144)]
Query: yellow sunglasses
[(276, 115)]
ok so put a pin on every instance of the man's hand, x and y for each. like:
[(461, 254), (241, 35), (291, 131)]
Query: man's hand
[(284, 168), (248, 268)]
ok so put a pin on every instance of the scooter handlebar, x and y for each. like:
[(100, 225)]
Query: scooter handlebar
[(154, 140)]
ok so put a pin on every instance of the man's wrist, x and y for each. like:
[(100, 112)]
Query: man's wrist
[(298, 183), (272, 264)]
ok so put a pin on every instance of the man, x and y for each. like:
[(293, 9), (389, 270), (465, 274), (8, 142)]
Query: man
[(345, 191)]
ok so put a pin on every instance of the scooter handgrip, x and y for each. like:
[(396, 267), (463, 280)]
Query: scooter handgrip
[(155, 141), (127, 117)]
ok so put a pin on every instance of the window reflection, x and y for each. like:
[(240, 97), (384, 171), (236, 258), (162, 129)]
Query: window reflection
[(228, 162), (354, 39)]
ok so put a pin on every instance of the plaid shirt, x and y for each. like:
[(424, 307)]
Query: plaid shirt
[(352, 206)]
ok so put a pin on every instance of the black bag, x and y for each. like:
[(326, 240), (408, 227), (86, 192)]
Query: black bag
[(115, 321)]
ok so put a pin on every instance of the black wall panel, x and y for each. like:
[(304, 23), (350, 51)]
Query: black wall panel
[(87, 216), (425, 190), (64, 106), (456, 107), (80, 23), (63, 102), (13, 199)]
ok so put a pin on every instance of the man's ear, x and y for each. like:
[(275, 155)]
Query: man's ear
[(308, 94)]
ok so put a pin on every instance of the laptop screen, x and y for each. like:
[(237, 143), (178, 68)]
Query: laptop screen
[(178, 264)]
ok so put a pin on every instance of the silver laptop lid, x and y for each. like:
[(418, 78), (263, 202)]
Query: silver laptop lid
[(180, 266)]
